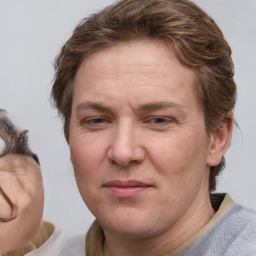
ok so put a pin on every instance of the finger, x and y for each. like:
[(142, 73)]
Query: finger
[(7, 219), (7, 208), (14, 194)]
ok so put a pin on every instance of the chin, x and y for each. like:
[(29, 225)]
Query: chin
[(131, 225), (129, 231)]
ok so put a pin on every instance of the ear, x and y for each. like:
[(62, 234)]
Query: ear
[(219, 141)]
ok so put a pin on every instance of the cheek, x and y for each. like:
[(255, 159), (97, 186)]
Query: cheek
[(87, 156), (85, 152), (85, 168), (179, 156), (88, 177)]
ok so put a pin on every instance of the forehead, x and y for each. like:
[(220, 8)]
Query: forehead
[(142, 69), (131, 54)]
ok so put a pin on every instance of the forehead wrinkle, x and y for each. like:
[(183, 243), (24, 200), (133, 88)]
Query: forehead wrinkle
[(151, 106)]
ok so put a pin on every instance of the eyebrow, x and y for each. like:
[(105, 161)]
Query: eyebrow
[(159, 105), (92, 105), (153, 106)]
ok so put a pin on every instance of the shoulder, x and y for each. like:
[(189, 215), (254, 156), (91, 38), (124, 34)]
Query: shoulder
[(234, 233), (73, 246), (61, 244), (239, 225)]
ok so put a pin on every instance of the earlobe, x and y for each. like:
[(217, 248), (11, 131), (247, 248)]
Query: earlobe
[(219, 141)]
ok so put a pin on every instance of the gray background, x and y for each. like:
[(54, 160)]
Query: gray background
[(32, 32)]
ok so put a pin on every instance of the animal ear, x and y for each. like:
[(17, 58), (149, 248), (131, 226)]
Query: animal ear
[(219, 141)]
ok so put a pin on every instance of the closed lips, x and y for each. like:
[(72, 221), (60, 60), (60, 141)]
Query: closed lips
[(126, 184)]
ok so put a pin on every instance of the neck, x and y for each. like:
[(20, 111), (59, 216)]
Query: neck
[(165, 242)]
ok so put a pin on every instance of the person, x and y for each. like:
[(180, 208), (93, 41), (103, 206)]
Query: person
[(146, 91), (21, 193)]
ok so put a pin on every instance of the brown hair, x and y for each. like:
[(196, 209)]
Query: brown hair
[(14, 141), (193, 36)]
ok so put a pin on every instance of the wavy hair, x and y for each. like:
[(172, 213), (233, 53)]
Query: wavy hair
[(192, 35), (13, 140)]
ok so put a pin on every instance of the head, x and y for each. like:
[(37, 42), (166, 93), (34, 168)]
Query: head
[(189, 32)]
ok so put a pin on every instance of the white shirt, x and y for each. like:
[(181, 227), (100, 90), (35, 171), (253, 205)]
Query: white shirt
[(59, 244)]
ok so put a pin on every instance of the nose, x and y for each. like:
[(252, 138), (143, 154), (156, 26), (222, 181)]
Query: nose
[(126, 148)]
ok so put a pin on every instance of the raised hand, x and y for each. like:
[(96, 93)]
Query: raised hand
[(21, 200), (21, 189)]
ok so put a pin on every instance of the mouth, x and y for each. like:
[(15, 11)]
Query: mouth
[(126, 189)]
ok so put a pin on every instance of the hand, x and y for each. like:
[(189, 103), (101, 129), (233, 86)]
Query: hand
[(21, 200)]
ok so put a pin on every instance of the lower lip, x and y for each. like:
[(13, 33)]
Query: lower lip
[(126, 192)]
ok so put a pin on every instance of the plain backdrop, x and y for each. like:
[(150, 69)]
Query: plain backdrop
[(31, 34)]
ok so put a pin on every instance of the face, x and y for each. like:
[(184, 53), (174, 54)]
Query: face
[(137, 139)]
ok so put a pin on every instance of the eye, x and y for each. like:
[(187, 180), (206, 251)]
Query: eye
[(95, 122), (159, 122)]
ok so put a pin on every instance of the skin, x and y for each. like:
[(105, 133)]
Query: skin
[(135, 117), (21, 184)]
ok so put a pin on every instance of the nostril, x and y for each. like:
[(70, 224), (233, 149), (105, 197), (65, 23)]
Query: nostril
[(126, 158)]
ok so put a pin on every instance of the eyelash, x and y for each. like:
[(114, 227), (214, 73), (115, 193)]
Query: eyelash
[(153, 121), (94, 121), (165, 119)]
